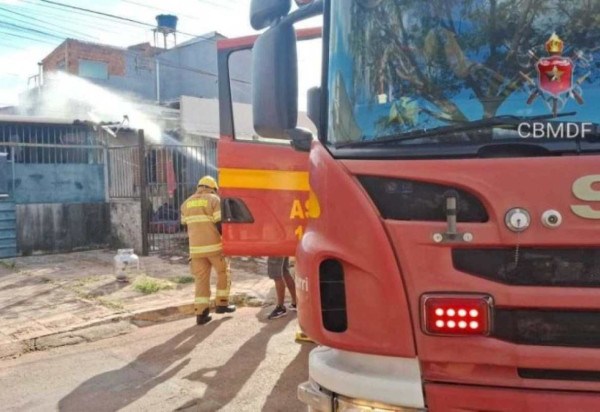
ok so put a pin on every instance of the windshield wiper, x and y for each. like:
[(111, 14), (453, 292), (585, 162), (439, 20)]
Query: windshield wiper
[(505, 120)]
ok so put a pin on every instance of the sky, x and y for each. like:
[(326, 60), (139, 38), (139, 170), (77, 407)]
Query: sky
[(46, 25)]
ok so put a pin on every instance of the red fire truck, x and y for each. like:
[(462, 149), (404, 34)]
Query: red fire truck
[(447, 207)]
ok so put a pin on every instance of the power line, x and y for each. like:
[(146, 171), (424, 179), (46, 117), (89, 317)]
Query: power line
[(26, 38), (160, 61), (212, 3), (79, 13), (50, 25), (199, 71), (60, 15), (111, 16), (159, 9), (22, 28), (10, 46)]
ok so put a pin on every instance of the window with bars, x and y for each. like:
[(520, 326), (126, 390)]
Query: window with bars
[(50, 144)]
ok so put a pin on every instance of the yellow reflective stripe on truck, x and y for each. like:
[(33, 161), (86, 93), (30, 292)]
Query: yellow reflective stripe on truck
[(263, 179)]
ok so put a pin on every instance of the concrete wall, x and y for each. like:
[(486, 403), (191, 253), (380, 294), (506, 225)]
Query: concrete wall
[(240, 75), (188, 69), (52, 228), (126, 224), (200, 117), (58, 183), (139, 77), (175, 77), (191, 70)]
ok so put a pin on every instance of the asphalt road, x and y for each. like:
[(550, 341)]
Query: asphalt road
[(235, 363)]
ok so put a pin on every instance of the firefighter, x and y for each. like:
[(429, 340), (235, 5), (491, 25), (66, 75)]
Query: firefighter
[(201, 212)]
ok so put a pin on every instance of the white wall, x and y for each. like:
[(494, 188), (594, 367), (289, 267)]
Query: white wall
[(201, 117)]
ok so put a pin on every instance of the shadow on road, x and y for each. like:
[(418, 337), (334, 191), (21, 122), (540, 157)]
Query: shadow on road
[(113, 390), (224, 383), (293, 375)]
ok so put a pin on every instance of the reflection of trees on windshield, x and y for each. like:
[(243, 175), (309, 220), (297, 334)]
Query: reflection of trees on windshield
[(443, 51), (342, 119)]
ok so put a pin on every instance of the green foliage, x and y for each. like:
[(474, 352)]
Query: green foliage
[(181, 280), (8, 264), (148, 285), (111, 304)]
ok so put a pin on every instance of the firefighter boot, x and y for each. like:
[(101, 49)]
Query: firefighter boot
[(203, 318), (225, 309)]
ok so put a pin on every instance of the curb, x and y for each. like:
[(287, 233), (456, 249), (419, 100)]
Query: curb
[(89, 332), (185, 310), (115, 325)]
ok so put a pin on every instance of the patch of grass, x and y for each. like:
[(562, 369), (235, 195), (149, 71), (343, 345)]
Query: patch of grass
[(10, 264), (182, 280), (111, 304), (88, 280), (148, 285)]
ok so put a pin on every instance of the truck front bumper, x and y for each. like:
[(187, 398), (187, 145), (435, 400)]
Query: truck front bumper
[(348, 381)]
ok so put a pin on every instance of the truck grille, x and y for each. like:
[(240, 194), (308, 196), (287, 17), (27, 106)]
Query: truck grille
[(548, 327), (535, 266)]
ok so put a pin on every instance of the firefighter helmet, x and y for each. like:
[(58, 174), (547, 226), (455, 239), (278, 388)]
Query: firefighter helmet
[(208, 181)]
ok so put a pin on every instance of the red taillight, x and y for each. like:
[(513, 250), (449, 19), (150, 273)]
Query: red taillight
[(456, 315)]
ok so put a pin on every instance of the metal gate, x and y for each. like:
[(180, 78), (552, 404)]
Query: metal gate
[(161, 181), (172, 173)]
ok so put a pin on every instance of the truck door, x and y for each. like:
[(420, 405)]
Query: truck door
[(263, 182)]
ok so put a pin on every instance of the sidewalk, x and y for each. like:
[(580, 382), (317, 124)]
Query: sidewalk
[(56, 300)]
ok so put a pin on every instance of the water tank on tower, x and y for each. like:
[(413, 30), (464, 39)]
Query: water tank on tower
[(166, 24)]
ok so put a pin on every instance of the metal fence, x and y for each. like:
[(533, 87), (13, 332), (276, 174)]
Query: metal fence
[(169, 176), (160, 177), (172, 173), (38, 143), (52, 174), (124, 172)]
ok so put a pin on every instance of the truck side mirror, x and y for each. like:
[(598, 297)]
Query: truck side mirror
[(275, 82), (265, 12)]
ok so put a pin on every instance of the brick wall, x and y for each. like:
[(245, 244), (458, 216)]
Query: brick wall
[(72, 51), (53, 60)]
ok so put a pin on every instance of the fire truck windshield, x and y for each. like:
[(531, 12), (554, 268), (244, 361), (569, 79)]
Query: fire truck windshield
[(401, 68)]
